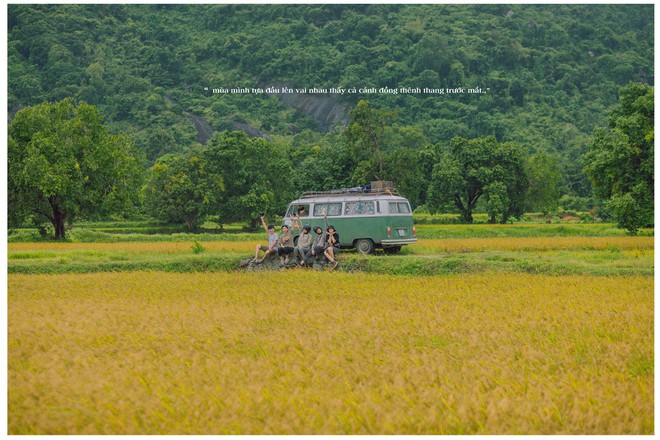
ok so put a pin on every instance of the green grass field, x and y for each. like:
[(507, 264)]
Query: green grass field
[(481, 329)]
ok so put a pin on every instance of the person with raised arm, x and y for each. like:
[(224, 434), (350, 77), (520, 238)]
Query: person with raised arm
[(285, 242), (272, 241)]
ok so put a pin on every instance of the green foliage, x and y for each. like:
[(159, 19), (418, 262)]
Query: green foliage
[(402, 136), (428, 227), (160, 142), (63, 164), (544, 177), (256, 175), (549, 73), (325, 168), (365, 136), (181, 189), (197, 248), (497, 200), (573, 203), (146, 66), (470, 169), (404, 167), (620, 159)]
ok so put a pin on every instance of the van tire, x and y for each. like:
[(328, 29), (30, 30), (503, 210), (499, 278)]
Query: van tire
[(364, 246)]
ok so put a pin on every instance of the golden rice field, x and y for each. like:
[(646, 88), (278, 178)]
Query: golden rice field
[(308, 352), (422, 245)]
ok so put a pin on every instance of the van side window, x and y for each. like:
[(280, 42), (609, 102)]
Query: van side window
[(360, 208), (399, 208), (332, 209)]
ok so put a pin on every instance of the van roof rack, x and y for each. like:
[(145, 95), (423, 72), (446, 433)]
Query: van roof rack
[(360, 190)]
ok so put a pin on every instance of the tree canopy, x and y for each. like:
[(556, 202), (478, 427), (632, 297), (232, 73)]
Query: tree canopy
[(256, 175), (64, 164), (365, 134), (473, 168), (181, 189), (620, 159), (544, 177)]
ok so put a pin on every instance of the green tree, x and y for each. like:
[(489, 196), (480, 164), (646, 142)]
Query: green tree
[(620, 159), (427, 158), (365, 134), (404, 167), (181, 189), (398, 136), (325, 168), (64, 164), (256, 174), (544, 176), (433, 52), (472, 168), (497, 200), (160, 142)]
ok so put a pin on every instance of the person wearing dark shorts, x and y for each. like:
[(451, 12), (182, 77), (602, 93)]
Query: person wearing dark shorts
[(285, 245)]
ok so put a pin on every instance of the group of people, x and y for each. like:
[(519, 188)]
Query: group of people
[(308, 246)]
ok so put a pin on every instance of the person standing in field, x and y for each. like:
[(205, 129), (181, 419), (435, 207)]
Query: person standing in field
[(272, 242)]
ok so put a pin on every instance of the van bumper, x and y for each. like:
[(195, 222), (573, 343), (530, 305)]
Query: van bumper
[(398, 242)]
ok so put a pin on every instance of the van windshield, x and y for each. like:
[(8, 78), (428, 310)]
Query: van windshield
[(301, 210)]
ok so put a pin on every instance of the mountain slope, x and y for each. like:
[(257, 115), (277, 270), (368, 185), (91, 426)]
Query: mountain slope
[(549, 72)]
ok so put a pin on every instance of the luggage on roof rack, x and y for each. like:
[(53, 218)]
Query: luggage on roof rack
[(349, 191), (375, 187)]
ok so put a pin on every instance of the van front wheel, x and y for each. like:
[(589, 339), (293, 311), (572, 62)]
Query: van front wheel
[(365, 246)]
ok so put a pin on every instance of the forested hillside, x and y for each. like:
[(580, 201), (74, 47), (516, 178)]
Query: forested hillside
[(550, 73)]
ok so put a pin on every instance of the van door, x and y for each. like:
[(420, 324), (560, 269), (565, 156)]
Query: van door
[(400, 224)]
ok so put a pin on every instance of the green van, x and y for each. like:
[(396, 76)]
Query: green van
[(365, 220)]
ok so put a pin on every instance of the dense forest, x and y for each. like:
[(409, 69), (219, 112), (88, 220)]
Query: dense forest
[(550, 75)]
